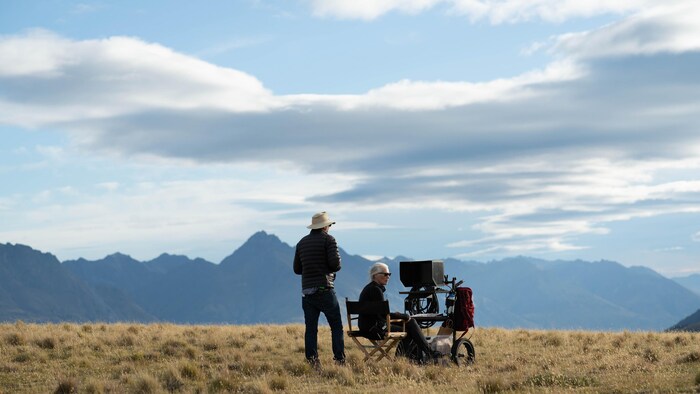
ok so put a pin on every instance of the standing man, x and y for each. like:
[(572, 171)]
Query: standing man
[(317, 260)]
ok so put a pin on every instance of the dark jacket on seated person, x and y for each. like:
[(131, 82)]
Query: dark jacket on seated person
[(374, 326)]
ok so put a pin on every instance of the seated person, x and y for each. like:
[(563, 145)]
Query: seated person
[(374, 326)]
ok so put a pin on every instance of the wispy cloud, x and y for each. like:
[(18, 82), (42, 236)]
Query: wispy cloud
[(232, 45), (87, 8), (368, 9), (669, 249), (213, 210), (496, 11)]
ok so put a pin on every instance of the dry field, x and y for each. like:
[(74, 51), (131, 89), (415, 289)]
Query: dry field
[(154, 358)]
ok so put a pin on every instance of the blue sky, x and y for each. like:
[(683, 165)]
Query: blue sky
[(475, 129)]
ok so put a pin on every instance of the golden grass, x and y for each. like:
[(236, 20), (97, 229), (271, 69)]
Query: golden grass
[(159, 358)]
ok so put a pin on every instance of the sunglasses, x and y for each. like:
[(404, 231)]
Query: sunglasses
[(385, 273)]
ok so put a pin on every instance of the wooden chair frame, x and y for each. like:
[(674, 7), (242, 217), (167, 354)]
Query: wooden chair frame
[(378, 348)]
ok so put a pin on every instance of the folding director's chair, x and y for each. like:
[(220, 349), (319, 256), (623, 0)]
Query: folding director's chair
[(379, 348)]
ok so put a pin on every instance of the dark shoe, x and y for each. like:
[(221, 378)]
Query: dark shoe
[(340, 362), (315, 363)]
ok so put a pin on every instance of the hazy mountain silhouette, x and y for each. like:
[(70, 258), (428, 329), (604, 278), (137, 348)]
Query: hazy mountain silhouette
[(173, 288), (527, 292), (691, 282), (533, 293), (690, 323), (256, 284), (34, 286)]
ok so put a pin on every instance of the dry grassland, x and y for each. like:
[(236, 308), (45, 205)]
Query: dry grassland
[(155, 358)]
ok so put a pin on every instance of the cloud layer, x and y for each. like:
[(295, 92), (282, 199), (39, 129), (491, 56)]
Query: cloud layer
[(607, 132), (496, 11)]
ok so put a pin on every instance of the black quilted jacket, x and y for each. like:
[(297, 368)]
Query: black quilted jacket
[(317, 260)]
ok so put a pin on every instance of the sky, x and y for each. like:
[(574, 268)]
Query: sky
[(473, 129)]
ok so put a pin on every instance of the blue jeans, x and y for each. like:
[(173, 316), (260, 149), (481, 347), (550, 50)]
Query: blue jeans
[(313, 305)]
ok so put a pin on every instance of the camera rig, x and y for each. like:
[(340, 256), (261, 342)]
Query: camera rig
[(428, 284), (425, 279)]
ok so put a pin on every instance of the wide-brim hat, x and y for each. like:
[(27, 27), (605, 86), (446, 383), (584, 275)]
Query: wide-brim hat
[(320, 220)]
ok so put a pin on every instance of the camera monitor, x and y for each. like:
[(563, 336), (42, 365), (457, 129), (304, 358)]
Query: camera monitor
[(422, 273)]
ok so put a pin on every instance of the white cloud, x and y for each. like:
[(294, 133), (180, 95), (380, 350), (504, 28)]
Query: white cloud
[(118, 75), (510, 11), (496, 11), (668, 28), (372, 257), (45, 58), (437, 95), (696, 237), (368, 9)]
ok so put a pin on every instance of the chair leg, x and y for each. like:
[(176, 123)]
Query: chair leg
[(382, 348), (386, 348), (390, 346), (362, 347), (379, 349)]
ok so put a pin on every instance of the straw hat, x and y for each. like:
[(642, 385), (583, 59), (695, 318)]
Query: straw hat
[(320, 220)]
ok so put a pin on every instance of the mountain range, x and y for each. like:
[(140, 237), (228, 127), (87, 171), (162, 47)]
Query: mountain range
[(690, 323), (691, 282), (256, 284)]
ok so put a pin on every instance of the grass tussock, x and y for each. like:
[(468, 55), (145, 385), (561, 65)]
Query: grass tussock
[(67, 386), (15, 339), (160, 358), (143, 384), (692, 357), (278, 383), (46, 343)]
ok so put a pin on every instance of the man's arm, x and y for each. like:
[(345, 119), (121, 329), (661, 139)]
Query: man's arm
[(399, 315), (297, 262), (332, 254)]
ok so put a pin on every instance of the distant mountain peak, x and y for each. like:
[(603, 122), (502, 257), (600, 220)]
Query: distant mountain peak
[(260, 242), (10, 253), (262, 239), (118, 255), (23, 248), (263, 236), (402, 258), (120, 258)]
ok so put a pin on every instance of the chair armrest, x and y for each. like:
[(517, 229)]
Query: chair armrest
[(389, 320)]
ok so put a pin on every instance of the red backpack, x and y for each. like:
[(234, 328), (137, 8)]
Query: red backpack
[(464, 309)]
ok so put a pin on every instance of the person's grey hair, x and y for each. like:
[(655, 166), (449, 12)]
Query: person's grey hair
[(377, 268)]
